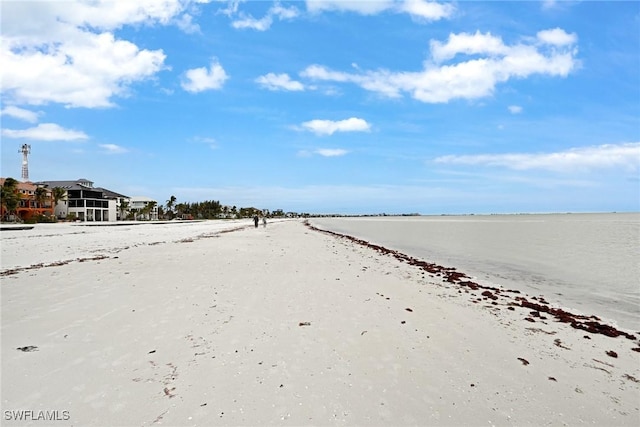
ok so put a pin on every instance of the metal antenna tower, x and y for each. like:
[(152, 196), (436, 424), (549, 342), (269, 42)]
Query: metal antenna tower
[(25, 150)]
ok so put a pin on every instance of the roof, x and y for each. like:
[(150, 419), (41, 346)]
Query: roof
[(68, 184), (142, 199), (111, 194), (81, 184)]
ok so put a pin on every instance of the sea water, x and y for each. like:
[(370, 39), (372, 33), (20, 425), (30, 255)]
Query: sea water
[(587, 263)]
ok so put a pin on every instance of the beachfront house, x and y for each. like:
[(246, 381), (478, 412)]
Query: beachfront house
[(144, 208), (83, 201), (31, 202)]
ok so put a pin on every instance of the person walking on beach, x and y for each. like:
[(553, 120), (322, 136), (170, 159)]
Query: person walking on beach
[(264, 222), (255, 220)]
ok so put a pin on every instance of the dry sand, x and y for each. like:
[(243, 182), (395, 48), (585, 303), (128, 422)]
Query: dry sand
[(180, 324)]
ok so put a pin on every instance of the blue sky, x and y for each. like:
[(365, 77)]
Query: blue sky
[(330, 106)]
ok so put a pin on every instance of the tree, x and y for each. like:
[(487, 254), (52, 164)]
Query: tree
[(150, 207), (181, 208), (144, 212), (124, 206), (10, 196), (40, 196), (170, 204), (57, 194)]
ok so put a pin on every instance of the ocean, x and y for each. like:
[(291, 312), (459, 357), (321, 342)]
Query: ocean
[(585, 263)]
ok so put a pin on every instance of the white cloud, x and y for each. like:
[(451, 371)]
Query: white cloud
[(66, 52), (328, 127), (284, 12), (515, 109), (231, 9), (273, 81), (427, 10), (468, 44), (186, 24), (201, 79), (264, 23), (20, 113), (331, 152), (625, 155), (248, 22), (318, 72), (46, 132), (473, 78), (421, 9), (113, 148), (557, 37), (361, 7)]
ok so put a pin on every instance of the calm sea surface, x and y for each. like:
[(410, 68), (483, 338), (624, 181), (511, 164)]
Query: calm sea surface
[(589, 263)]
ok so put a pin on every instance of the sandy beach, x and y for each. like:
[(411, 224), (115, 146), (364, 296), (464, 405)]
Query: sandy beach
[(220, 323)]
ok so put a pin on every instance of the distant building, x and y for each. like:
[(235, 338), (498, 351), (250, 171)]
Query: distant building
[(84, 201), (138, 205), (29, 206)]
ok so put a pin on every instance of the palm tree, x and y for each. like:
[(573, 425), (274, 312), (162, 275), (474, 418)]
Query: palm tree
[(124, 205), (170, 204), (40, 196), (10, 196), (57, 194)]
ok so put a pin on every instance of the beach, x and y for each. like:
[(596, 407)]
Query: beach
[(221, 323)]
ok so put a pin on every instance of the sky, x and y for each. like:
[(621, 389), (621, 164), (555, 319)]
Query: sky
[(327, 106)]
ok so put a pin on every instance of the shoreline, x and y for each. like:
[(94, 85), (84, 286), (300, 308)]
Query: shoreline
[(588, 323), (284, 325), (586, 265)]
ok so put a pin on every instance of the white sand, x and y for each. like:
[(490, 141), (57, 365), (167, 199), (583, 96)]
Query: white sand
[(178, 325)]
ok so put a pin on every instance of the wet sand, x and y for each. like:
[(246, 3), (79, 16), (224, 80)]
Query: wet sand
[(224, 324)]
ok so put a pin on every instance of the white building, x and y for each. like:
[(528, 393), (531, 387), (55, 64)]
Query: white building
[(137, 205), (84, 201)]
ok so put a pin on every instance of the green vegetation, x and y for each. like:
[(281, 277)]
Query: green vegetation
[(40, 196), (57, 194), (9, 195), (40, 218), (124, 206)]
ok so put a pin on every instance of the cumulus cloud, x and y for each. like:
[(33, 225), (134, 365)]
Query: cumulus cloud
[(273, 81), (67, 53), (487, 61), (20, 113), (329, 127), (113, 148), (46, 132), (625, 155), (515, 109), (201, 79), (420, 9)]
